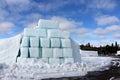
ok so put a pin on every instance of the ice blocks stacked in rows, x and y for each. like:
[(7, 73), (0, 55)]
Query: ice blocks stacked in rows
[(48, 43)]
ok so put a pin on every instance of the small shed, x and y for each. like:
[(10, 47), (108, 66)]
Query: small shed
[(86, 53), (118, 53)]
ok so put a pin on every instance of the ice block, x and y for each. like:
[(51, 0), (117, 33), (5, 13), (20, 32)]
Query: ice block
[(57, 52), (46, 60), (45, 42), (65, 34), (54, 61), (24, 52), (34, 52), (34, 41), (67, 52), (25, 42), (48, 24), (55, 42), (47, 52), (35, 32), (61, 60), (69, 60), (66, 43), (54, 33)]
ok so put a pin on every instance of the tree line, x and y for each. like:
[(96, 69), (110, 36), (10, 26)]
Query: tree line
[(102, 50)]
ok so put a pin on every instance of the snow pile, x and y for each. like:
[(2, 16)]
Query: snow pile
[(8, 49), (29, 69), (96, 63), (40, 71)]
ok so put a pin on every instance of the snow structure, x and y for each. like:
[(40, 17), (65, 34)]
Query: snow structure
[(36, 69), (49, 44), (85, 53), (118, 53)]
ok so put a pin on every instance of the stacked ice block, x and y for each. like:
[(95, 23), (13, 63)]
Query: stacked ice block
[(47, 42)]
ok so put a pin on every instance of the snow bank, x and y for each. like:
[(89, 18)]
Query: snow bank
[(40, 70), (96, 63), (9, 48), (33, 69)]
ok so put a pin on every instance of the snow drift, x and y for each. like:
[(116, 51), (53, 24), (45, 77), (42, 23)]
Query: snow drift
[(9, 48)]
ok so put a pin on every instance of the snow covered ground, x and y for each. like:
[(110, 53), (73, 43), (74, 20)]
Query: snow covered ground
[(96, 63), (39, 70), (35, 69)]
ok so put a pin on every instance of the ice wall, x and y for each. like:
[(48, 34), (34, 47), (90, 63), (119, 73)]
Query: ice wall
[(48, 43)]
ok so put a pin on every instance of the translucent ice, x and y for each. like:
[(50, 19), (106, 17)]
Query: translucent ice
[(47, 52), (54, 60), (45, 42), (65, 34), (35, 32), (24, 52), (48, 24), (46, 60), (52, 42), (66, 43), (54, 33), (55, 42), (67, 52), (34, 52), (57, 52), (57, 33), (34, 42), (69, 60), (25, 42), (61, 60)]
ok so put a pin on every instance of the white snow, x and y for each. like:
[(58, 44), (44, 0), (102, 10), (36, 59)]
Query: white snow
[(96, 63), (8, 49), (29, 69), (40, 70)]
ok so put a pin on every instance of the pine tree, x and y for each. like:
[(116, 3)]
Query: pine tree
[(116, 45)]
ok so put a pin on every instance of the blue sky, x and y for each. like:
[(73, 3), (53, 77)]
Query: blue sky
[(95, 21)]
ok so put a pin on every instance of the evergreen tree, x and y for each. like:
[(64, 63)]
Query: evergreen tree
[(112, 45), (116, 45), (88, 44)]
